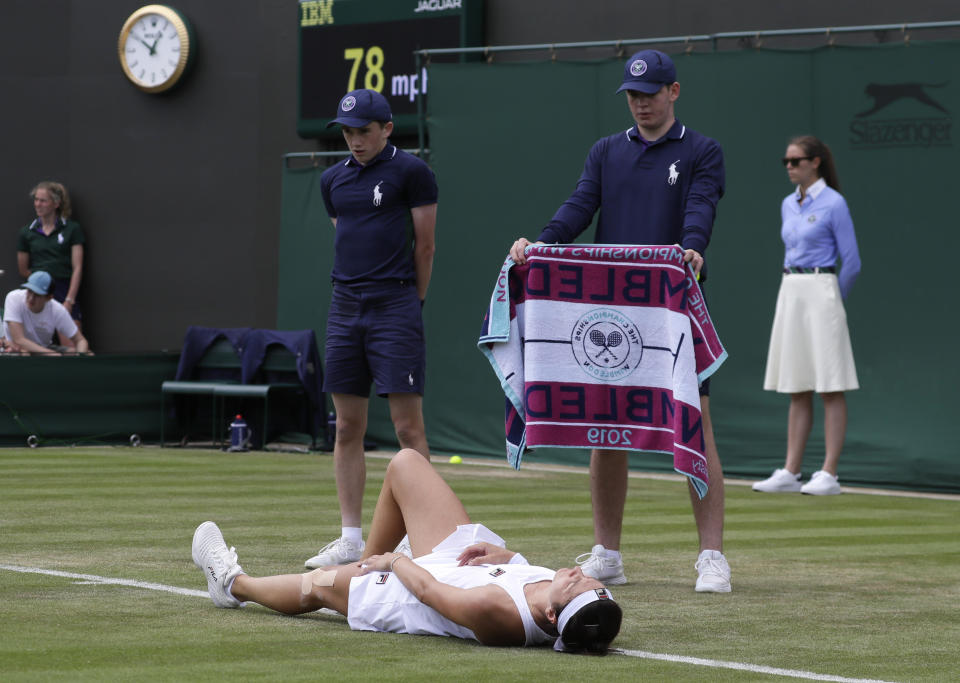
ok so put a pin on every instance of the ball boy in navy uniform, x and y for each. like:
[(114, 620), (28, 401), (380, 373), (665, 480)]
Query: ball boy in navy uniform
[(657, 182), (383, 204)]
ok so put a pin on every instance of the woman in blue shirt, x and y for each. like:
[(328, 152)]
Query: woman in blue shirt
[(810, 347)]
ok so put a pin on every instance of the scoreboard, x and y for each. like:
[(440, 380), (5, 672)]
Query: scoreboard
[(350, 44)]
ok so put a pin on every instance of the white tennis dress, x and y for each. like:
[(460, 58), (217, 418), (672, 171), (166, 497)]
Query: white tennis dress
[(380, 602)]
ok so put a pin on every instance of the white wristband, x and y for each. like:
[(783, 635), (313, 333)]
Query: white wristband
[(518, 559)]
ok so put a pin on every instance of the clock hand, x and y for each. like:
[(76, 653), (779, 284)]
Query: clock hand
[(153, 50), (145, 44)]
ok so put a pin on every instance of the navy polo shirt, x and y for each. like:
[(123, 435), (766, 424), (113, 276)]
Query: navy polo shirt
[(374, 235), (661, 192)]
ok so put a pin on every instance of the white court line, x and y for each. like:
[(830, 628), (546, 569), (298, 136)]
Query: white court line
[(664, 476), (752, 668), (90, 578), (696, 661)]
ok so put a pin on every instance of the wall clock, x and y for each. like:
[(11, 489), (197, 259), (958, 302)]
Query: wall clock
[(156, 48)]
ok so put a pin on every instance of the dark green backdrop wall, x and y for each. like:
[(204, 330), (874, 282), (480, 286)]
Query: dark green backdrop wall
[(508, 143)]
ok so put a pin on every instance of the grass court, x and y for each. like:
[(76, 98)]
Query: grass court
[(97, 583)]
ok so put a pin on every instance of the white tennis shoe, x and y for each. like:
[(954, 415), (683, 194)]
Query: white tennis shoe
[(218, 564), (822, 484), (603, 565), (713, 572), (336, 552), (781, 481)]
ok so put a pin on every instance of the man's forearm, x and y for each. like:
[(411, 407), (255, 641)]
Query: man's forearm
[(27, 346), (423, 265)]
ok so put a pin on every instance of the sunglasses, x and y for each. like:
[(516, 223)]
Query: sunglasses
[(794, 161)]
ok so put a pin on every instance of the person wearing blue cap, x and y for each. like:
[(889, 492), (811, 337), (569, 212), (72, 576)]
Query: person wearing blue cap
[(383, 204), (658, 182), (31, 317)]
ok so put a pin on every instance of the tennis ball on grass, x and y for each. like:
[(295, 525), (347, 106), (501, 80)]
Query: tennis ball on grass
[(455, 460)]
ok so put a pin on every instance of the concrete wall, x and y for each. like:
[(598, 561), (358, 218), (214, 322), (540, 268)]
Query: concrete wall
[(180, 193)]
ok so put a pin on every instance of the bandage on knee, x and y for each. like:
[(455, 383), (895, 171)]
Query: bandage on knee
[(318, 578)]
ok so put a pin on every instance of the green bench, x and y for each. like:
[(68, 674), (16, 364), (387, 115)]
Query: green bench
[(222, 360)]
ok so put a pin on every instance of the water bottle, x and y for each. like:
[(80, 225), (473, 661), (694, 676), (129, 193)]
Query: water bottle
[(239, 435)]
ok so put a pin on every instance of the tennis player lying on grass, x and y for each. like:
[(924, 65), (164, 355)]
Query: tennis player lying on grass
[(463, 582)]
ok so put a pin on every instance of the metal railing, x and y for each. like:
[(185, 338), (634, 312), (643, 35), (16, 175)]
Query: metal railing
[(828, 32), (314, 157)]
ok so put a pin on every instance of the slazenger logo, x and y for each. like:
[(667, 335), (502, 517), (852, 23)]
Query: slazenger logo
[(885, 95), (606, 344), (922, 130)]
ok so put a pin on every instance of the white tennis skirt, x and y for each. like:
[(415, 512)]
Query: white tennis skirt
[(810, 342)]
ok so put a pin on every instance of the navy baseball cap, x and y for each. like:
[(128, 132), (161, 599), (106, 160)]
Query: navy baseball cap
[(359, 107), (647, 71)]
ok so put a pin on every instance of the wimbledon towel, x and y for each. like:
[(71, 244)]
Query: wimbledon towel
[(600, 346)]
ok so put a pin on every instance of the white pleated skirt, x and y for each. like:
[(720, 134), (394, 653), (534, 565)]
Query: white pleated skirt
[(810, 343)]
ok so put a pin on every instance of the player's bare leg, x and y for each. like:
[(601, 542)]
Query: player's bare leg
[(298, 593), (414, 500)]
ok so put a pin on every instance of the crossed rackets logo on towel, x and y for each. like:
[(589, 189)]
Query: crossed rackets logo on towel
[(608, 346)]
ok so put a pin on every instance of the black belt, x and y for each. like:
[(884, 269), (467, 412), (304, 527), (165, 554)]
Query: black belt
[(800, 270), (366, 285)]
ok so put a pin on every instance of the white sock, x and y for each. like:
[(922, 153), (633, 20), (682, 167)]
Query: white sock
[(612, 554), (354, 534), (228, 589)]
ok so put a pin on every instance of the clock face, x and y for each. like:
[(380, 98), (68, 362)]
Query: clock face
[(154, 48)]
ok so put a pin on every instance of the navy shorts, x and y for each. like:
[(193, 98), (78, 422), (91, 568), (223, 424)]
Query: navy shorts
[(60, 289), (375, 334)]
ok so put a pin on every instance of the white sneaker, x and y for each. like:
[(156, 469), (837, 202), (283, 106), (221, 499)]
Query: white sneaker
[(219, 564), (713, 572), (781, 481), (404, 548), (822, 484), (602, 567), (340, 551)]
